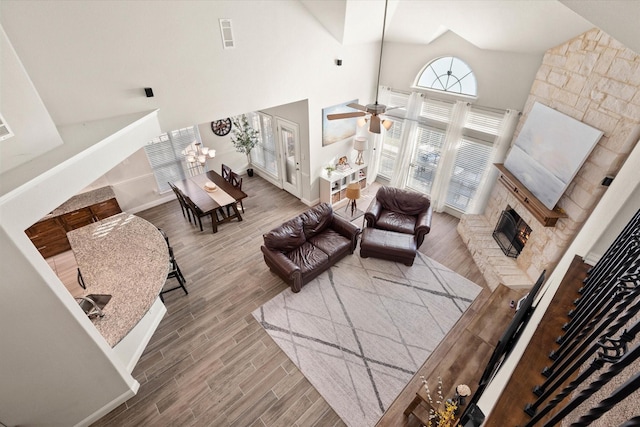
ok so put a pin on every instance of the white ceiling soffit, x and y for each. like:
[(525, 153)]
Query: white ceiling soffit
[(504, 25), (618, 18), (352, 21)]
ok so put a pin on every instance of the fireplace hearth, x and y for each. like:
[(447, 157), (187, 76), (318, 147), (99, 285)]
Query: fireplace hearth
[(511, 232)]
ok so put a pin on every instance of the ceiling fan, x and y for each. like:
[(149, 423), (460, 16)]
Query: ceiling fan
[(373, 111)]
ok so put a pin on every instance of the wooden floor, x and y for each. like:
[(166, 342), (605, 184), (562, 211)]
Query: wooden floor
[(209, 362)]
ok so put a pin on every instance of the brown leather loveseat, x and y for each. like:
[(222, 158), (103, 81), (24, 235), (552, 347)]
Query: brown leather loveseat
[(305, 246)]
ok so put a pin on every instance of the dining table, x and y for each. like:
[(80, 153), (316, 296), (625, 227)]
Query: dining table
[(214, 202)]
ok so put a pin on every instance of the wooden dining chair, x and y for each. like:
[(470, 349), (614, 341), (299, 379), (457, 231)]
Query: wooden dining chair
[(236, 181), (183, 205), (174, 270), (226, 172)]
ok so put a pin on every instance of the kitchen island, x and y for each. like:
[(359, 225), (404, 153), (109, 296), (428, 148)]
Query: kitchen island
[(126, 257)]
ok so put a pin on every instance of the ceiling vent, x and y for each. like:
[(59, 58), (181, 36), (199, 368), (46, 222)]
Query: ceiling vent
[(5, 132), (227, 34)]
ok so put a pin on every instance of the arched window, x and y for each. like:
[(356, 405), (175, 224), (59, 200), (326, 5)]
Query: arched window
[(448, 74)]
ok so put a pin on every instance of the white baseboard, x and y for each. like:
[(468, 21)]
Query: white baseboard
[(149, 205)]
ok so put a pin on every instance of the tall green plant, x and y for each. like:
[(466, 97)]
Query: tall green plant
[(244, 136)]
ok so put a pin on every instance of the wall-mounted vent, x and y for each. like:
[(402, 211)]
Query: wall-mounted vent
[(5, 132), (227, 34)]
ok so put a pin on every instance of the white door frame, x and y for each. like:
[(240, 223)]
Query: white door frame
[(290, 167)]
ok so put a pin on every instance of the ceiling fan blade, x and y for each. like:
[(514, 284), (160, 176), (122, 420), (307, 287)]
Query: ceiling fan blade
[(357, 106), (374, 124), (346, 115)]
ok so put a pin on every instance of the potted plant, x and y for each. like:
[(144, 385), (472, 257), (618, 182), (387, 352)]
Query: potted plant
[(244, 138)]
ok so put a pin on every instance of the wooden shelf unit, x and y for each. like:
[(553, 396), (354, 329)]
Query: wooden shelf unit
[(544, 215), (333, 188)]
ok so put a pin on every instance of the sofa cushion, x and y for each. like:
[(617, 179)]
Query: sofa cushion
[(286, 237), (309, 258), (395, 221), (332, 243), (316, 219), (405, 201)]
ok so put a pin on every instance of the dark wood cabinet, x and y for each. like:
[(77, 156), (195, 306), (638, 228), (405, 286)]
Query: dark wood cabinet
[(49, 236), (105, 209), (77, 219)]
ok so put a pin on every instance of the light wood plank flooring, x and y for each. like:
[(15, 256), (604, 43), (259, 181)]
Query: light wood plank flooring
[(210, 363)]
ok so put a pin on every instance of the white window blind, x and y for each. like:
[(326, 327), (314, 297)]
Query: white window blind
[(470, 164), (165, 155), (426, 157), (471, 161), (390, 149), (264, 154)]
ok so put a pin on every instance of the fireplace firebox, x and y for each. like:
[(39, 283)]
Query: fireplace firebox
[(511, 232)]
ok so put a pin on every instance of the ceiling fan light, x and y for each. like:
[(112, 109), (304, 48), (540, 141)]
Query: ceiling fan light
[(362, 121), (387, 124)]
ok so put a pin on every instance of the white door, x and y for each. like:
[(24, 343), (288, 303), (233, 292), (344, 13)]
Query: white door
[(290, 156)]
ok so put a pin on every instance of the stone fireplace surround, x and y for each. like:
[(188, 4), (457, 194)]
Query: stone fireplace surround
[(592, 78), (543, 249)]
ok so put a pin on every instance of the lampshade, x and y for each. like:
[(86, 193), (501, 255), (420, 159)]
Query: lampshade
[(353, 191), (360, 143), (387, 124)]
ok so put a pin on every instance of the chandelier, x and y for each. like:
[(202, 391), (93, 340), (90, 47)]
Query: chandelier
[(196, 153)]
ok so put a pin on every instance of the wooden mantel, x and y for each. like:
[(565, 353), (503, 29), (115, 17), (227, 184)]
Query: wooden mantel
[(546, 216)]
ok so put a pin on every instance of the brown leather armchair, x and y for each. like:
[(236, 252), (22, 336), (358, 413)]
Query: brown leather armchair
[(402, 211), (305, 246)]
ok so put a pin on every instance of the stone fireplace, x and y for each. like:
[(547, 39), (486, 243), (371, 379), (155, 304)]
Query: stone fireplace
[(594, 79)]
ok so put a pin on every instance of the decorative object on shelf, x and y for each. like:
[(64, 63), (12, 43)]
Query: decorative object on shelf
[(442, 412), (244, 138), (343, 164), (333, 131), (359, 144), (329, 169), (221, 127), (353, 194), (196, 153)]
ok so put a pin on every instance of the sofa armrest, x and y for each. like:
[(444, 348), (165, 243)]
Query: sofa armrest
[(373, 212), (346, 229), (423, 226), (284, 267)]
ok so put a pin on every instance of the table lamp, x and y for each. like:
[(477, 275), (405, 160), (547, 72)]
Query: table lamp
[(353, 194), (359, 144)]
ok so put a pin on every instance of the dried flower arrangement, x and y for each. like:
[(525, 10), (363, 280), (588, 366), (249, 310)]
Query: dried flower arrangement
[(442, 412)]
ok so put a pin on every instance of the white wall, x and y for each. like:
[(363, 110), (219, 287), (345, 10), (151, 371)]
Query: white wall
[(503, 78), (56, 368), (21, 107)]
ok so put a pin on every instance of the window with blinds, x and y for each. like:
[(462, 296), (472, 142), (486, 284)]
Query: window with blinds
[(390, 149), (264, 154), (426, 157), (165, 156), (471, 160)]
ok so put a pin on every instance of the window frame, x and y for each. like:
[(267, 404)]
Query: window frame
[(444, 93)]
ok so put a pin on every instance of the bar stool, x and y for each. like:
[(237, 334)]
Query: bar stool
[(174, 270)]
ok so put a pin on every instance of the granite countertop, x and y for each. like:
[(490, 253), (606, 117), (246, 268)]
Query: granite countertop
[(124, 256), (83, 200)]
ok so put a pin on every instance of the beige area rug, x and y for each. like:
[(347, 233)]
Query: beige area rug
[(361, 330)]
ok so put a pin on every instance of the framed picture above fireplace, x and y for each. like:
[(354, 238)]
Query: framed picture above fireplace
[(549, 151)]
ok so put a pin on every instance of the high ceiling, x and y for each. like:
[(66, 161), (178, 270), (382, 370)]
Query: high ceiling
[(526, 26)]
